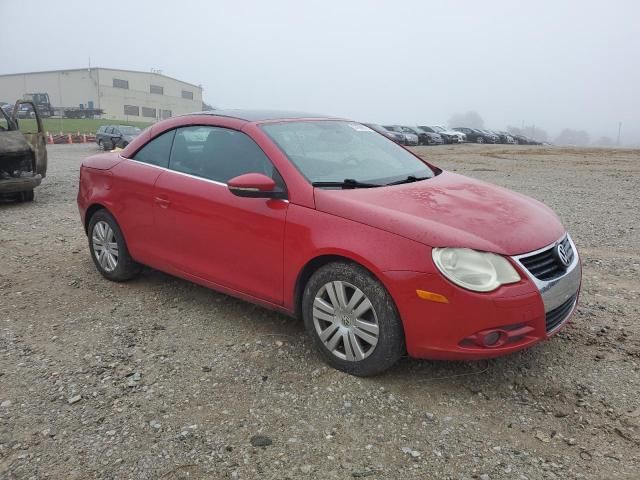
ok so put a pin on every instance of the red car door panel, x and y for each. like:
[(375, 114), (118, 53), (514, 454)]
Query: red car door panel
[(134, 191), (206, 231)]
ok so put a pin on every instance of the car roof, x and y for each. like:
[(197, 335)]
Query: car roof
[(261, 115)]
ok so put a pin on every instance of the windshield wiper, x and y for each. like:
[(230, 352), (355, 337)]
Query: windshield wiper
[(346, 183), (409, 179)]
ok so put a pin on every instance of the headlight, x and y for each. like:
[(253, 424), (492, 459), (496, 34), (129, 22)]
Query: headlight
[(473, 270)]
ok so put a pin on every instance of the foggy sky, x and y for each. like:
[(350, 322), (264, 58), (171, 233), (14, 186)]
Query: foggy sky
[(550, 63)]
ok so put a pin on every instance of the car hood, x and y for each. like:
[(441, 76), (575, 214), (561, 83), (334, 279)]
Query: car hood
[(450, 210), (13, 142)]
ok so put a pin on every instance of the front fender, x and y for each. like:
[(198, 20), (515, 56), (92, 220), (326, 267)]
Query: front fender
[(310, 234)]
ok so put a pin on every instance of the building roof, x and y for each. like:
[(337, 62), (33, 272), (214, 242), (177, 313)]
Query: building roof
[(260, 115), (99, 68)]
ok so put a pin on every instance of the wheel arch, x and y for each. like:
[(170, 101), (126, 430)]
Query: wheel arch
[(318, 262), (91, 210)]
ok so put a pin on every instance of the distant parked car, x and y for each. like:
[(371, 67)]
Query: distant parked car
[(424, 138), (504, 137), (522, 140), (111, 136), (448, 135), (26, 111), (427, 138), (395, 136), (492, 134), (477, 136), (410, 138)]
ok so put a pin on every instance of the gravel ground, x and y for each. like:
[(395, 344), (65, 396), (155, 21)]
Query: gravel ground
[(160, 378)]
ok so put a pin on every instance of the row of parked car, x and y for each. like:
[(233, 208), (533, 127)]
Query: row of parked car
[(438, 135), (109, 136)]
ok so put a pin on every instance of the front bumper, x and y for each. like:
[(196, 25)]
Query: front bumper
[(520, 313), (25, 182)]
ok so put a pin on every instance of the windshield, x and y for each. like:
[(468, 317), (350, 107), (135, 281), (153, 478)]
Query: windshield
[(332, 151), (438, 129), (125, 130)]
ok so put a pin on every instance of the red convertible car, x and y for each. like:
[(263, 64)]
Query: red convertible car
[(379, 252)]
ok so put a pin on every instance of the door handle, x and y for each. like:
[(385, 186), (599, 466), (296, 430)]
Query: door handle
[(162, 202)]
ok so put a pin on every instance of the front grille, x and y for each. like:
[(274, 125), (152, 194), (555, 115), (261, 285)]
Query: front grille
[(546, 265), (559, 314)]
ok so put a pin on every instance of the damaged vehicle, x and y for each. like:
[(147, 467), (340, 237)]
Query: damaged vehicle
[(23, 155)]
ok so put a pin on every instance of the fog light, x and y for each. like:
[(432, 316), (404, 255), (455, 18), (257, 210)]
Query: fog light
[(491, 338)]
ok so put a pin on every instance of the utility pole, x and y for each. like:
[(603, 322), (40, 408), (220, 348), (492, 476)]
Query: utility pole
[(619, 128)]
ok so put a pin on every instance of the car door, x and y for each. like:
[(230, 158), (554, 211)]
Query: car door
[(208, 232), (115, 136), (35, 137), (133, 189)]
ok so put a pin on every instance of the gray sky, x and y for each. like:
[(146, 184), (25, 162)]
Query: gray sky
[(550, 63)]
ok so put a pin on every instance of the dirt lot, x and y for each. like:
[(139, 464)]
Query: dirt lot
[(159, 378)]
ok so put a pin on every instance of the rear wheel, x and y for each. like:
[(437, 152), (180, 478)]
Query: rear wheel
[(352, 319), (109, 249)]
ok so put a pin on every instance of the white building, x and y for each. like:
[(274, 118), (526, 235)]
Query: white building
[(122, 94)]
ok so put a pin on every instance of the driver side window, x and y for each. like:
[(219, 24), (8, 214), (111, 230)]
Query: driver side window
[(218, 154)]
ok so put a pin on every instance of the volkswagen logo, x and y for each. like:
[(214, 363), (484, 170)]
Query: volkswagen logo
[(562, 255)]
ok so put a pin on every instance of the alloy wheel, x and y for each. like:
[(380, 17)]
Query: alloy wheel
[(345, 321), (105, 246)]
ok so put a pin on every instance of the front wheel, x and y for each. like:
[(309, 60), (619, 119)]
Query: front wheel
[(109, 249), (352, 319), (480, 140)]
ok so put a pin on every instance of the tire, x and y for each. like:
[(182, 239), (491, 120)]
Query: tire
[(479, 140), (26, 196), (366, 354), (114, 264), (100, 145)]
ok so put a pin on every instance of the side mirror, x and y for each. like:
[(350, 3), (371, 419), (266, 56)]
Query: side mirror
[(255, 185)]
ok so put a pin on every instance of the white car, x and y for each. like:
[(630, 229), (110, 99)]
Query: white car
[(448, 135), (410, 139)]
